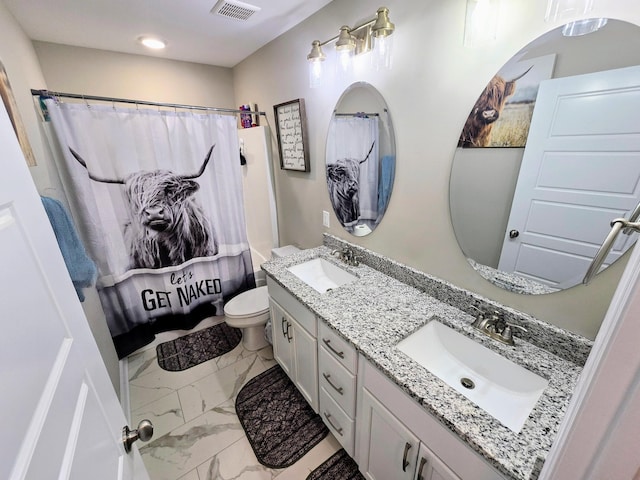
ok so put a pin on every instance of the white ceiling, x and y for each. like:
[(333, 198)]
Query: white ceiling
[(192, 33)]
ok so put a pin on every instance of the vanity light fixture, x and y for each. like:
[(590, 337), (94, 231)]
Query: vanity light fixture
[(565, 9), (373, 35), (345, 47), (153, 43), (583, 27), (481, 22), (316, 58)]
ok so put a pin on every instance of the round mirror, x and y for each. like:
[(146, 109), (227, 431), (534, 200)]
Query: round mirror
[(360, 158), (549, 156)]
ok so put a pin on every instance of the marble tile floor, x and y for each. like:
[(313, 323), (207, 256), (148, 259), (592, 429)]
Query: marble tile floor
[(197, 435)]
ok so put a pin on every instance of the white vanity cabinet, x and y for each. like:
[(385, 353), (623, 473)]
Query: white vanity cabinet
[(388, 449), (391, 450), (337, 367), (294, 330), (397, 438)]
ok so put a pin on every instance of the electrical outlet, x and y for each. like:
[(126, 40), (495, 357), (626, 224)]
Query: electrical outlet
[(325, 218)]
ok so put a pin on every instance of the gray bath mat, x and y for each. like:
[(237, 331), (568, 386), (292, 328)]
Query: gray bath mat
[(340, 466), (195, 348), (280, 425)]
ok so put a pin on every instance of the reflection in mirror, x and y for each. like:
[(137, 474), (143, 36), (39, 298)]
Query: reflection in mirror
[(360, 158), (530, 218)]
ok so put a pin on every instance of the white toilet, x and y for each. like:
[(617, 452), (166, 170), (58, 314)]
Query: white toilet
[(249, 311)]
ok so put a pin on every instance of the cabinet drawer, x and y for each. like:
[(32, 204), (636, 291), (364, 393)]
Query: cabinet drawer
[(337, 381), (338, 422), (338, 347), (298, 311)]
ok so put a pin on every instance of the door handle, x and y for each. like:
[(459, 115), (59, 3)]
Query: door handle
[(327, 342), (289, 337), (329, 417), (514, 233), (327, 377), (423, 462), (405, 462), (284, 332), (144, 432)]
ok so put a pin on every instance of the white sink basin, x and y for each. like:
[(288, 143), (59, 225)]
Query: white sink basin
[(321, 275), (505, 390)]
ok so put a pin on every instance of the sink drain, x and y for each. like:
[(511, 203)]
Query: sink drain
[(467, 383)]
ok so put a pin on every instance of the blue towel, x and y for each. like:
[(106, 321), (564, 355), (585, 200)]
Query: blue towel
[(81, 268), (387, 172)]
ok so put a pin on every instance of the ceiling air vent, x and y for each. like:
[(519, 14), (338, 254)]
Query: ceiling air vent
[(234, 9)]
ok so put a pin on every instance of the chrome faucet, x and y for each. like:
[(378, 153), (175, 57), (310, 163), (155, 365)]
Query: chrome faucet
[(493, 324), (348, 256)]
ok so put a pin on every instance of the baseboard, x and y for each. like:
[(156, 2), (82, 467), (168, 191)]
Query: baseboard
[(125, 397)]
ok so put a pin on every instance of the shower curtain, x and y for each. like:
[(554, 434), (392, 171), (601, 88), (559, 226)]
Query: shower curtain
[(158, 197), (349, 140)]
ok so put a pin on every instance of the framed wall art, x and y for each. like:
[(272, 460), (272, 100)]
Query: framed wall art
[(292, 136), (6, 94)]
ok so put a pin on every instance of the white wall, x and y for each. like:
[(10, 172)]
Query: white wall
[(434, 83), (111, 74)]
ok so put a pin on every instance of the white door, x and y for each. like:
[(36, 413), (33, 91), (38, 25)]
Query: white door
[(580, 170), (387, 449), (60, 416), (282, 337), (306, 364), (430, 467)]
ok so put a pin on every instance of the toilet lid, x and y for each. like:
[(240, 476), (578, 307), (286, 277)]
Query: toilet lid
[(249, 303)]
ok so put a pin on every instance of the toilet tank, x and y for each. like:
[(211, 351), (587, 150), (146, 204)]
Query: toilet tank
[(284, 251)]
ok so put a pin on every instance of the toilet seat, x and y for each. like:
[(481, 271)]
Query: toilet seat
[(251, 303)]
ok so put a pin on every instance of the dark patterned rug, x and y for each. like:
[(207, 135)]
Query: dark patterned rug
[(340, 466), (195, 348), (279, 423)]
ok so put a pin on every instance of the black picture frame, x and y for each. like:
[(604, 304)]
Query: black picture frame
[(292, 136)]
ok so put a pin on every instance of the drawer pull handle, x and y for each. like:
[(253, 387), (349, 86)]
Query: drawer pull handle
[(423, 462), (329, 417), (340, 390), (405, 462), (328, 344)]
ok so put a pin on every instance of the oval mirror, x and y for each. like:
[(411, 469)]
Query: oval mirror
[(548, 157), (360, 158)]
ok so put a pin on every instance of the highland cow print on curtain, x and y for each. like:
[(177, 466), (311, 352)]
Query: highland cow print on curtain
[(353, 168), (158, 198)]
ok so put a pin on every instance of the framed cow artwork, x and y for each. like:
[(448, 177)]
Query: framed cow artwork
[(292, 136), (502, 114)]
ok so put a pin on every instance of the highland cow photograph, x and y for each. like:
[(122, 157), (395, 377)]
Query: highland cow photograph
[(502, 114)]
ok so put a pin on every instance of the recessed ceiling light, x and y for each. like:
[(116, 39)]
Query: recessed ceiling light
[(152, 42)]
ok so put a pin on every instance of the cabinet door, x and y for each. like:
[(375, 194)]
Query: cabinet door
[(431, 467), (306, 364), (282, 331), (387, 449)]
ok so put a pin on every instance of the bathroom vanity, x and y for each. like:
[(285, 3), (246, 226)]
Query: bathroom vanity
[(339, 345)]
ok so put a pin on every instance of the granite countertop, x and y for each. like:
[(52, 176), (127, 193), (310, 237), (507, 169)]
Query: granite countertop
[(377, 311)]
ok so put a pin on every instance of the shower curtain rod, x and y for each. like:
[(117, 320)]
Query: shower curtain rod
[(49, 93)]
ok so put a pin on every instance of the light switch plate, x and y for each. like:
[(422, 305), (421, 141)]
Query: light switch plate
[(325, 218)]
